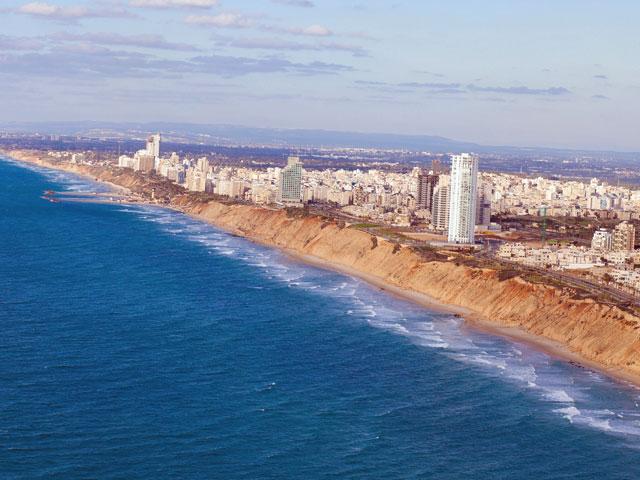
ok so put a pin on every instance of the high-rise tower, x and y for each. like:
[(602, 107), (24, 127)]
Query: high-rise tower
[(290, 184), (153, 145), (463, 198), (440, 204), (426, 185)]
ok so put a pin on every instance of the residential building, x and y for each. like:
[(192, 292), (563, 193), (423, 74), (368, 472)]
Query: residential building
[(463, 198), (426, 185), (153, 145), (602, 240), (483, 205), (143, 162), (624, 237), (440, 204)]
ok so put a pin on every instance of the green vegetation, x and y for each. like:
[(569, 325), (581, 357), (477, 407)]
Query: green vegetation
[(296, 212), (364, 225), (429, 254)]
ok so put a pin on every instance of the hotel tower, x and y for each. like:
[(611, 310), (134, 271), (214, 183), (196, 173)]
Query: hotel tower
[(463, 198)]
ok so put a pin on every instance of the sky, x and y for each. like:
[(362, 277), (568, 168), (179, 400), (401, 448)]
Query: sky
[(555, 73)]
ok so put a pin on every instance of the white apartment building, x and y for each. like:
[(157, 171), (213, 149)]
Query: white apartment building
[(153, 145), (624, 237), (602, 240), (440, 204), (463, 198)]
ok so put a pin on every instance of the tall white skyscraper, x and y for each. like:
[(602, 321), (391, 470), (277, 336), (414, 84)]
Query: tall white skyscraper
[(463, 198), (153, 145), (290, 185)]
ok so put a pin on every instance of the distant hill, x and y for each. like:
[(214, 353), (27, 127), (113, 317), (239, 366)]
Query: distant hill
[(234, 135)]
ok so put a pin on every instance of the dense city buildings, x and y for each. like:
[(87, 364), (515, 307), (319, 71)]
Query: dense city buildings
[(444, 207), (434, 200), (377, 195), (519, 195), (462, 198), (146, 160), (611, 256)]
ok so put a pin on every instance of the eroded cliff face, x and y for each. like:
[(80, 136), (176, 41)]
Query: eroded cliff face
[(600, 333)]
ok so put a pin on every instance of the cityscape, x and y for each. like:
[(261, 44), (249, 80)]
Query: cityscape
[(319, 240), (448, 204)]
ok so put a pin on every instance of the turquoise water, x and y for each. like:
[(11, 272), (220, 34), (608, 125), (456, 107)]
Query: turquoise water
[(139, 344)]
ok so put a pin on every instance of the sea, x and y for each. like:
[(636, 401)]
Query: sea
[(138, 343)]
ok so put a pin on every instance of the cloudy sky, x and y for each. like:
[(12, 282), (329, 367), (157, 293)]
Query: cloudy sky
[(517, 72)]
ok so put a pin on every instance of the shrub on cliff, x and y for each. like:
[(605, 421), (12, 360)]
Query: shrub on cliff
[(507, 274)]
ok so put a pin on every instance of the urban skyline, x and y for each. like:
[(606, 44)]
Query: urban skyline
[(592, 224)]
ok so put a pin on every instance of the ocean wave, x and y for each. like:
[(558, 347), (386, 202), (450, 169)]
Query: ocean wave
[(68, 181)]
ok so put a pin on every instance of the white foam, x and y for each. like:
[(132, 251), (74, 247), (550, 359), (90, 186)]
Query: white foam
[(559, 396), (68, 181), (569, 412)]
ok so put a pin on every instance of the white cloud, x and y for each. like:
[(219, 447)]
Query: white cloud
[(173, 3), (222, 20), (311, 31), (151, 41), (48, 10), (316, 31), (288, 45), (71, 12), (296, 3)]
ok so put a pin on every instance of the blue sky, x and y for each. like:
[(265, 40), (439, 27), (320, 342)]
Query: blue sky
[(546, 73)]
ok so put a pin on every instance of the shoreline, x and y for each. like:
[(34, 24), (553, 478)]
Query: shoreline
[(475, 321), (472, 319)]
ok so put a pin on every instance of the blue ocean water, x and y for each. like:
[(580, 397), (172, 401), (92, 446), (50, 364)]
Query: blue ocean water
[(137, 343)]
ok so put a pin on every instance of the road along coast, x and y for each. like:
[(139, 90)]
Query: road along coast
[(558, 319)]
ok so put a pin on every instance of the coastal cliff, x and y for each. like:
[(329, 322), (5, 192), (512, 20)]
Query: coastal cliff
[(598, 332)]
